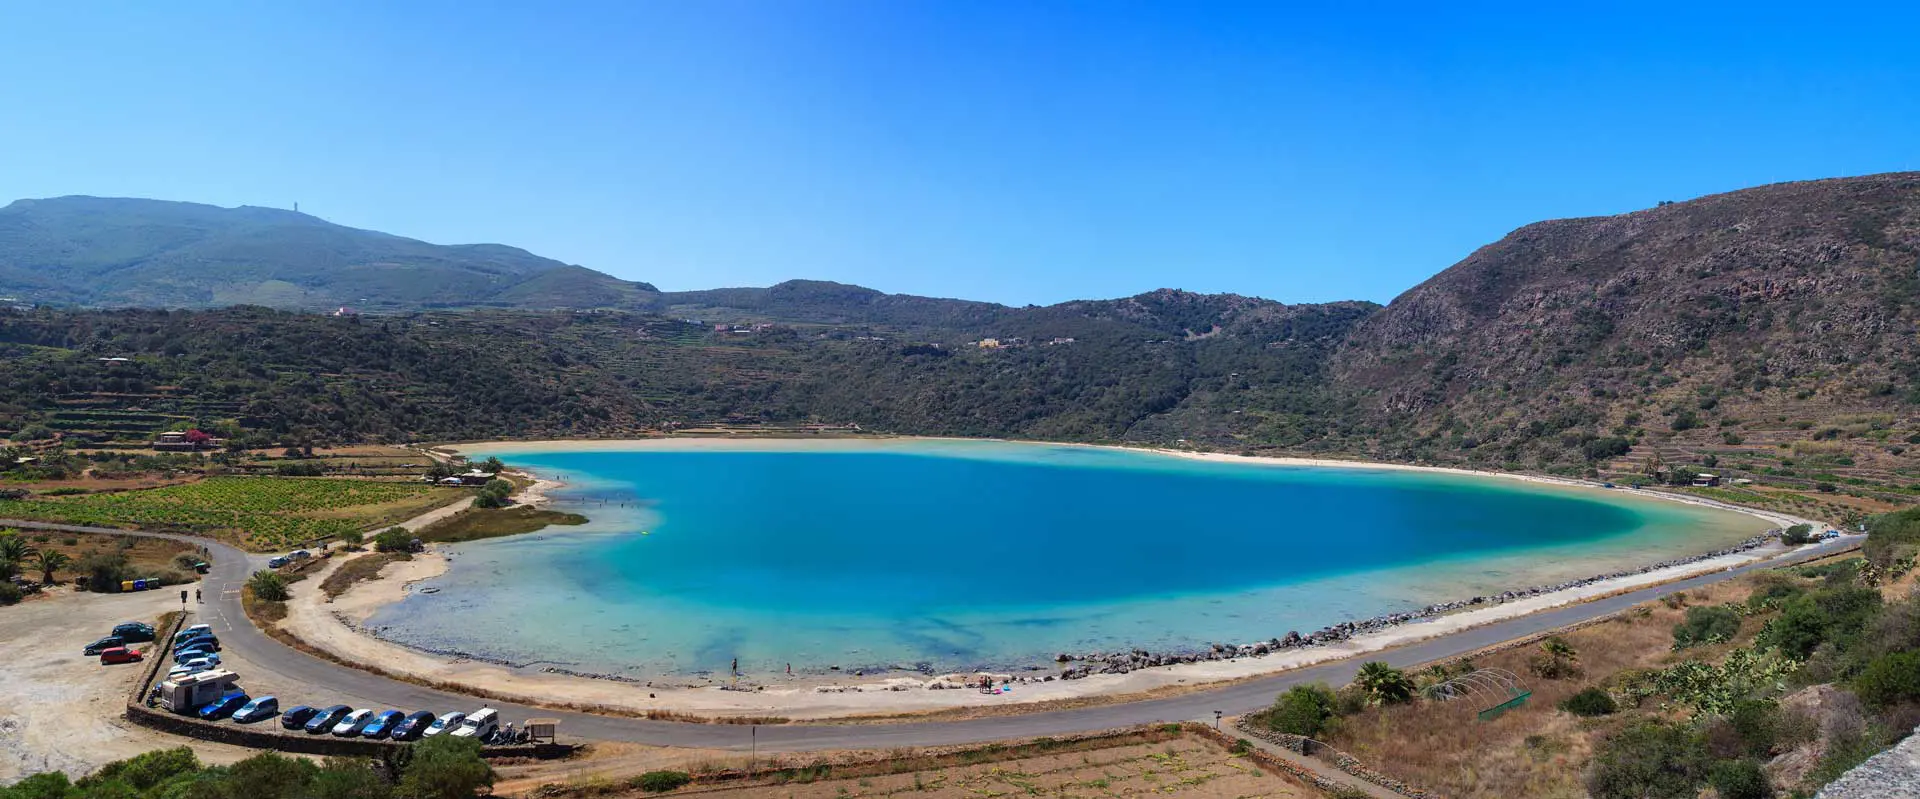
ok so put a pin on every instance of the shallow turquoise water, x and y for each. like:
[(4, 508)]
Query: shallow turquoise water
[(961, 554)]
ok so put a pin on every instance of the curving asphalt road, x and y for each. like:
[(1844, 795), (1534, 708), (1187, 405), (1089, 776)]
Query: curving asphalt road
[(231, 568)]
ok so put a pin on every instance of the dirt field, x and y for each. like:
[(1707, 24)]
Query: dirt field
[(62, 711), (145, 555), (1184, 768)]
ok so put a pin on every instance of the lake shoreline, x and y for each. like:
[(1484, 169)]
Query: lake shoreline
[(1080, 676)]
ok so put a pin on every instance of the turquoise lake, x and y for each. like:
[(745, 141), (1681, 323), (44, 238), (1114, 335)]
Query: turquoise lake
[(955, 554)]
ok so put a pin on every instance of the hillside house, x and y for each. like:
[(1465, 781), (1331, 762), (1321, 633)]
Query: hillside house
[(1704, 480), (189, 441), (474, 477)]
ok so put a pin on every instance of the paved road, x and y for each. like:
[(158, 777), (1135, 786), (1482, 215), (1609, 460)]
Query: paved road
[(232, 566)]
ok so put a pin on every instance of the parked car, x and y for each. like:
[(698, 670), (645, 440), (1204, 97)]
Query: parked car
[(185, 655), (119, 654), (104, 644), (133, 631), (297, 717), (224, 706), (207, 641), (413, 726), (382, 725), (277, 562), (264, 707), (482, 724), (444, 723), (190, 633), (185, 669), (325, 719), (351, 724), (299, 554)]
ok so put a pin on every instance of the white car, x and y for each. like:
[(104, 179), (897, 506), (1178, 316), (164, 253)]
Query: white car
[(353, 723), (451, 721), (480, 725), (189, 667)]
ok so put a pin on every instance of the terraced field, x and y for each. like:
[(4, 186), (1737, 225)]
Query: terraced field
[(1183, 768), (257, 512)]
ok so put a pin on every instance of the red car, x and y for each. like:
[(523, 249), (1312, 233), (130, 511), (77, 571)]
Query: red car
[(119, 654)]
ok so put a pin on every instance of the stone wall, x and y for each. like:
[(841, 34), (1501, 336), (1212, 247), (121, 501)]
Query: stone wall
[(1340, 760), (1266, 760)]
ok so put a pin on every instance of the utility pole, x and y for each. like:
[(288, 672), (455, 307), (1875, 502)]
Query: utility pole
[(1216, 719), (753, 746)]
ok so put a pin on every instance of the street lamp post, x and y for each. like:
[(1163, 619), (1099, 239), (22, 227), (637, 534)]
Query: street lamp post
[(1216, 719)]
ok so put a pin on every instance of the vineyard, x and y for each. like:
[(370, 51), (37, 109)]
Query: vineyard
[(257, 512)]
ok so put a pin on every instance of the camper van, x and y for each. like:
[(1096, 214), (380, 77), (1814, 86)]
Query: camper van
[(188, 692)]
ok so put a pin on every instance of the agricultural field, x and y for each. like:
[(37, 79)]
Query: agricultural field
[(256, 512)]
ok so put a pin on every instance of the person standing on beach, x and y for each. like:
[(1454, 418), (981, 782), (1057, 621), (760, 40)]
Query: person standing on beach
[(736, 667)]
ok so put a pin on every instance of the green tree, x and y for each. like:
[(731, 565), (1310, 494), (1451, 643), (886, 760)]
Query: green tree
[(1383, 683), (268, 775), (445, 767), (145, 770), (1650, 760), (49, 562), (347, 778), (492, 465), (105, 571), (393, 539), (268, 586), (352, 538), (1302, 710), (48, 785), (1796, 535)]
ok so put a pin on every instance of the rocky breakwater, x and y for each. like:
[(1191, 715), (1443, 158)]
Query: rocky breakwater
[(1085, 664)]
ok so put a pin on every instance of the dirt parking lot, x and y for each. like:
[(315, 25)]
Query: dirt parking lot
[(62, 711)]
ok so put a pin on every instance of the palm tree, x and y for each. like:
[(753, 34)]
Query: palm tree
[(15, 548), (50, 562), (1384, 683)]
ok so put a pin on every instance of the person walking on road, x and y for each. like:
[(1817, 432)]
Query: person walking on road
[(196, 595)]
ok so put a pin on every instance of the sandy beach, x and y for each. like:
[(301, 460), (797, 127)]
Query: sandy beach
[(336, 627)]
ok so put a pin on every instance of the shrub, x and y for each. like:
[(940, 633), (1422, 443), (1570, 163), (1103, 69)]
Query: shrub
[(1590, 702), (1757, 723), (352, 538), (661, 781), (1740, 779), (186, 561), (1651, 760), (1829, 615), (1797, 535), (1302, 710), (1890, 679), (10, 594), (268, 586), (1706, 625), (146, 770)]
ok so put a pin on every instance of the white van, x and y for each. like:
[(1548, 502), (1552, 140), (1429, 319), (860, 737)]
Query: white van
[(481, 724)]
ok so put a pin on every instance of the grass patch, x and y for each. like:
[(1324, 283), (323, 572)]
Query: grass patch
[(474, 524)]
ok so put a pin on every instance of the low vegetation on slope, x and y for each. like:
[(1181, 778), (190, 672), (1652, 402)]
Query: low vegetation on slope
[(1770, 686)]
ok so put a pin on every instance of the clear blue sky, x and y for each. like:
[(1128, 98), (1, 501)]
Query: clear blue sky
[(1010, 151)]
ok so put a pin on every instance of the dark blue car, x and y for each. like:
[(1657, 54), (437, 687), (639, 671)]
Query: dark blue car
[(297, 717), (224, 706), (382, 724), (412, 727), (199, 641), (323, 721)]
